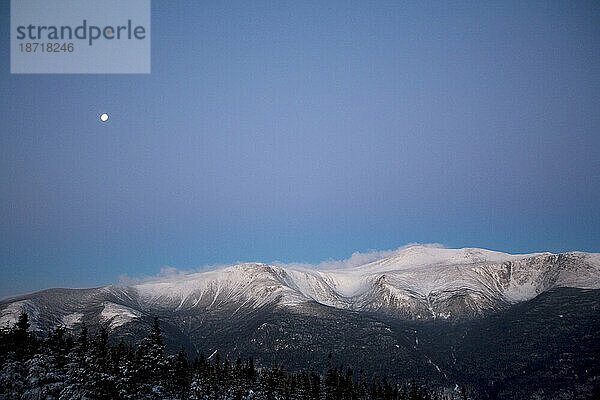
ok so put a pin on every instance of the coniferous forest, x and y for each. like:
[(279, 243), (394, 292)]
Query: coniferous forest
[(70, 366)]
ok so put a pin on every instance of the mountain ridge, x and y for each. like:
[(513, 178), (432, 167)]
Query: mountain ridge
[(417, 282)]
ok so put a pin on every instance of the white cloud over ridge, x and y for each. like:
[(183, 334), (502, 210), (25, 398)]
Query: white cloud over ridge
[(357, 258), (167, 272)]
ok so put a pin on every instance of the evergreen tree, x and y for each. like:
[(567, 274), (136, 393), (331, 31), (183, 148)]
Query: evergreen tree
[(315, 385), (24, 342), (178, 377), (76, 369), (151, 365), (100, 381), (126, 383)]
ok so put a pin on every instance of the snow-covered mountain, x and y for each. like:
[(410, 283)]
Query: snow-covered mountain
[(415, 283), (447, 315), (418, 282)]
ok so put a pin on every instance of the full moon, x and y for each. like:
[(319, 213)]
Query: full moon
[(104, 117)]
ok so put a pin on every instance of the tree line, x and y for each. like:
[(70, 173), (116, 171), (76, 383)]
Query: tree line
[(63, 366)]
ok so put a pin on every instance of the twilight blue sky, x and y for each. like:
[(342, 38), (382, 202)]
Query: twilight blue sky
[(303, 130)]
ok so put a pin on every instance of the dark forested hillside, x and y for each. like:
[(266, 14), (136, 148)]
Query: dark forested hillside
[(62, 366), (548, 347)]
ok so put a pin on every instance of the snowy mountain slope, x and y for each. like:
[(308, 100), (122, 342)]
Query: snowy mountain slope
[(251, 284), (416, 283)]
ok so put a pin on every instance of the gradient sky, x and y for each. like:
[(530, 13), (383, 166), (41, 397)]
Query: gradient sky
[(303, 130)]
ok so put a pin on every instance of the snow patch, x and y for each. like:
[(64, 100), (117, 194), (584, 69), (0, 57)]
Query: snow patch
[(70, 320), (523, 292), (10, 315), (116, 314)]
